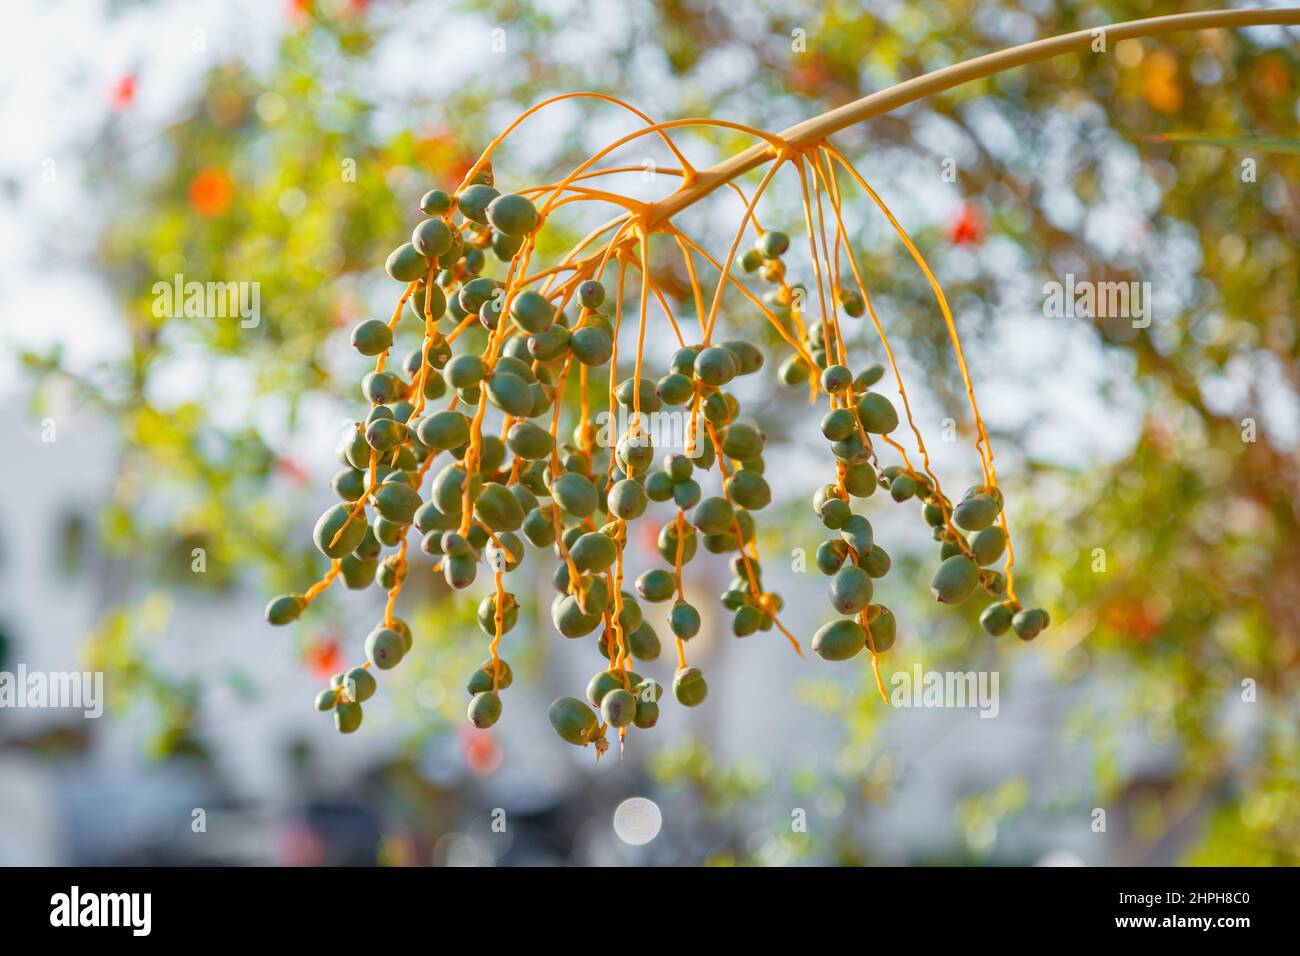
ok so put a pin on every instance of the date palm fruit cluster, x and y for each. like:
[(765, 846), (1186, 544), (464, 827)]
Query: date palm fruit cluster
[(850, 556), (482, 491)]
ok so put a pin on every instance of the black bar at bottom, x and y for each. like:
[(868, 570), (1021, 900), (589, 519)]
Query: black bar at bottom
[(947, 904)]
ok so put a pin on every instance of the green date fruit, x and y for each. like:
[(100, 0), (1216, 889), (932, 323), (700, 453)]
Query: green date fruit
[(689, 686), (839, 640), (955, 580), (573, 720)]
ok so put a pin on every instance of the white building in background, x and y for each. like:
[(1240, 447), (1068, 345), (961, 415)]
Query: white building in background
[(74, 788)]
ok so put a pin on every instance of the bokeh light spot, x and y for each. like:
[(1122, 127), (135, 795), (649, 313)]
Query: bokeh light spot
[(637, 821)]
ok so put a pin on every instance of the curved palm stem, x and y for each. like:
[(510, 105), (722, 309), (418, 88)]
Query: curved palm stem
[(813, 131)]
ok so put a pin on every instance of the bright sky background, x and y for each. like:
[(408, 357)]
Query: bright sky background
[(59, 63)]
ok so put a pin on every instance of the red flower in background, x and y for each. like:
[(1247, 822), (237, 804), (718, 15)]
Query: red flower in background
[(438, 148), (297, 843), (482, 755), (122, 94), (1132, 619), (211, 192), (810, 74), (292, 470), (324, 658), (648, 536), (968, 228)]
